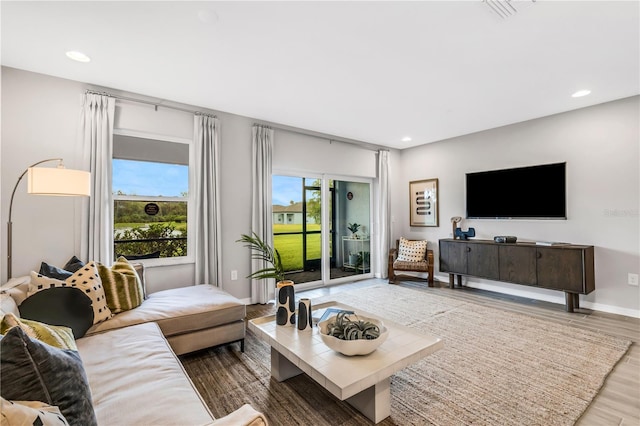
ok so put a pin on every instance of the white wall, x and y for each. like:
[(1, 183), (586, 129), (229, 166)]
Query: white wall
[(600, 146), (40, 116)]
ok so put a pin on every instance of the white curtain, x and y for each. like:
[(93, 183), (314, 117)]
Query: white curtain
[(206, 131), (96, 136), (383, 213), (261, 209)]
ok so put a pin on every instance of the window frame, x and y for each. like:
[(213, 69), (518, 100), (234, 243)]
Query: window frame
[(191, 199)]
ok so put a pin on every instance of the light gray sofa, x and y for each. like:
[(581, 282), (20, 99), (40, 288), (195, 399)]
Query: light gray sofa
[(130, 360)]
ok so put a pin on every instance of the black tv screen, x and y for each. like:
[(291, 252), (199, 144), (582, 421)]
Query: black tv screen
[(535, 192)]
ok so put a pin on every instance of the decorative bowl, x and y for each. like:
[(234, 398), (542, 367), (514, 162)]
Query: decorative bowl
[(353, 347)]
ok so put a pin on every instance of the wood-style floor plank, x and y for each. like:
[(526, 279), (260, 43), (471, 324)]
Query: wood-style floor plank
[(617, 403)]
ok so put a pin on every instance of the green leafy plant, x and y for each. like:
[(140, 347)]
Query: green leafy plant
[(263, 251), (345, 328), (353, 227)]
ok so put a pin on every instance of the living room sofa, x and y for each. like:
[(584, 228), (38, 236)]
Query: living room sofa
[(130, 360)]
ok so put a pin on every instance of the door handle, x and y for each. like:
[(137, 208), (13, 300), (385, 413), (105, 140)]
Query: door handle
[(468, 249), (538, 255)]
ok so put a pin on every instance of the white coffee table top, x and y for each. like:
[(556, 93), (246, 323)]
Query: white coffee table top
[(345, 376)]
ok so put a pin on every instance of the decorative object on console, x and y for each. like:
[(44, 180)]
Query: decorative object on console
[(465, 235), (48, 181), (305, 319), (455, 220), (510, 239), (285, 303), (423, 202)]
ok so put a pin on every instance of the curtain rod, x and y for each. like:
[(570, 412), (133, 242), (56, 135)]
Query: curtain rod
[(154, 104), (330, 138)]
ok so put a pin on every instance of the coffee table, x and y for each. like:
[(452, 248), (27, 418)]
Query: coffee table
[(362, 381)]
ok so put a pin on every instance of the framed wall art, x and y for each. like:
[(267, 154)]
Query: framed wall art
[(423, 202)]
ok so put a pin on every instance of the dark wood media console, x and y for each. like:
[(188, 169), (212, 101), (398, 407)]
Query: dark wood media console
[(566, 267)]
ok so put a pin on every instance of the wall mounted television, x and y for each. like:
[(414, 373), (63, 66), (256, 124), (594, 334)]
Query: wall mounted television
[(534, 192)]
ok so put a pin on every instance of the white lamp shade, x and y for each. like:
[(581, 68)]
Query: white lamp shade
[(58, 181)]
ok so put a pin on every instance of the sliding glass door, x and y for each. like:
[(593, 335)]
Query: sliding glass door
[(321, 227)]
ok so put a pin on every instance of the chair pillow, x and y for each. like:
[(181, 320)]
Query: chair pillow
[(122, 286), (34, 371), (86, 279), (57, 336), (411, 251)]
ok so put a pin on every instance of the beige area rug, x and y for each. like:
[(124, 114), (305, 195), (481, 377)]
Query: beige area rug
[(496, 368)]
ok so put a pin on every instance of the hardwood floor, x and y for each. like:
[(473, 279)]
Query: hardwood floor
[(617, 403)]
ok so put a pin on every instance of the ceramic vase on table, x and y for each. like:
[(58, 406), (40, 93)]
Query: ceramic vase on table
[(305, 321), (285, 303)]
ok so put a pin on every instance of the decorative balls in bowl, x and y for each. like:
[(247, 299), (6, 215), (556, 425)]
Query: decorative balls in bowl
[(351, 334)]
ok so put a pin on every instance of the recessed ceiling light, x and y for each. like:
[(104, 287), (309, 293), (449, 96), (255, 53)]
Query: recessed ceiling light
[(78, 56), (581, 93), (406, 139)]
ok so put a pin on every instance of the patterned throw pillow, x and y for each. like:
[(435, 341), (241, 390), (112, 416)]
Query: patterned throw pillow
[(34, 371), (34, 413), (54, 335), (122, 286), (411, 251), (86, 279)]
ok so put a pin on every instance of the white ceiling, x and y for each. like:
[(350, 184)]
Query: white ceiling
[(370, 71)]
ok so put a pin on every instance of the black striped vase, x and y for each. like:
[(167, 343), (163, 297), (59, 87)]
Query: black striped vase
[(285, 304), (305, 321)]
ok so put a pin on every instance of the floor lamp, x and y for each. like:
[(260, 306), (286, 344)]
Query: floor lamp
[(49, 181)]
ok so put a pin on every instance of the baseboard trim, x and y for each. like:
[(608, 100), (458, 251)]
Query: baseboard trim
[(560, 299)]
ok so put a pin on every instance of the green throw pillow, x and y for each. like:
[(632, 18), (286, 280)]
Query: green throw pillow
[(54, 335), (122, 286)]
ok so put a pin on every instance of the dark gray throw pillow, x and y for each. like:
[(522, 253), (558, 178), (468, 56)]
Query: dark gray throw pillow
[(34, 371), (54, 272), (63, 273), (67, 306), (153, 255), (73, 265)]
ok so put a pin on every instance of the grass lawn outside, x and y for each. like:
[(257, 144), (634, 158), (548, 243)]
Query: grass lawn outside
[(290, 246)]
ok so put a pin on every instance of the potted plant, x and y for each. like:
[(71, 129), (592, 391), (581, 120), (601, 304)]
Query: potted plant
[(353, 227), (262, 251)]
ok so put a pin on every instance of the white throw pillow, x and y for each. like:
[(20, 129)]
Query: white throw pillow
[(411, 251)]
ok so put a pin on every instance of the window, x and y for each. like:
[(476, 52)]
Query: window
[(151, 201)]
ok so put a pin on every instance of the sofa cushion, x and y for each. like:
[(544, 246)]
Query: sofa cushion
[(122, 286), (34, 371), (136, 379), (181, 310), (30, 413), (60, 337)]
